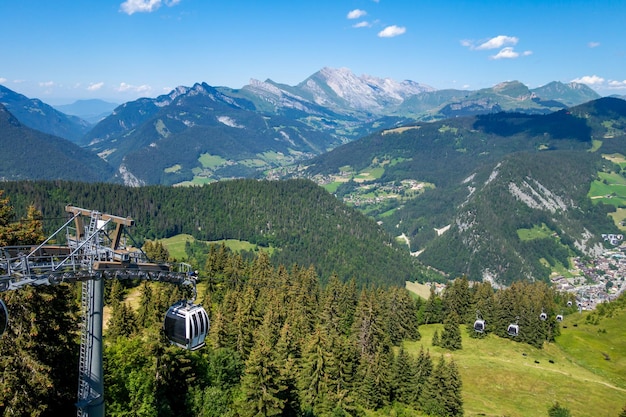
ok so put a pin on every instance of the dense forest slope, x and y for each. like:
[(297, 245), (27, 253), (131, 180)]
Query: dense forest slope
[(307, 225), (30, 154)]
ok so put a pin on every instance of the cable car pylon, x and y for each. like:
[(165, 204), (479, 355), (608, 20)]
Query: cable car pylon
[(95, 250)]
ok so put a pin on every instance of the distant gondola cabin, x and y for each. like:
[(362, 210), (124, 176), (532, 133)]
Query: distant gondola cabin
[(513, 329), (186, 325), (479, 325)]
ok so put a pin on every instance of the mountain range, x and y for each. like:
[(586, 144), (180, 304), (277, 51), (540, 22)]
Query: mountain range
[(458, 175), (203, 133)]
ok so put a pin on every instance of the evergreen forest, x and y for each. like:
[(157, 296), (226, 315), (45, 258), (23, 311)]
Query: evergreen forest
[(281, 342)]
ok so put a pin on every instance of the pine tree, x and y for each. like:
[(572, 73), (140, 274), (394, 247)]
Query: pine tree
[(287, 354), (451, 335), (39, 352), (436, 341), (374, 373), (404, 378), (262, 392), (313, 380), (423, 371), (123, 322), (556, 410)]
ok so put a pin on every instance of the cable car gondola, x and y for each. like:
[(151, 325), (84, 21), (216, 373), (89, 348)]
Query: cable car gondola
[(4, 317), (479, 324), (186, 325), (559, 317), (543, 316), (513, 329)]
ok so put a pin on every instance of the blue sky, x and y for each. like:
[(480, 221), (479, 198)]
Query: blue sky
[(63, 50)]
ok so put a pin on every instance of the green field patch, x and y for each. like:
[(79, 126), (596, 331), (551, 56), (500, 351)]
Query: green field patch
[(537, 232), (595, 145), (610, 189), (253, 163), (211, 161), (176, 245), (272, 156), (619, 218), (446, 128), (422, 290), (504, 378), (173, 168), (616, 158), (331, 187)]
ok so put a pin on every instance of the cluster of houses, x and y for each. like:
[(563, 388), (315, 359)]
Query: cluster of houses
[(595, 281)]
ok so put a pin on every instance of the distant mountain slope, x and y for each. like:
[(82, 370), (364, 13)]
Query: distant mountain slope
[(30, 154), (40, 116), (165, 140), (459, 189), (91, 111)]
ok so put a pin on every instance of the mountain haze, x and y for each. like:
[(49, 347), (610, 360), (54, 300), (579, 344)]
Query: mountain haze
[(40, 116)]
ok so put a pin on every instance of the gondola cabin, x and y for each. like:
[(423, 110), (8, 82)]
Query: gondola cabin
[(513, 329), (186, 325), (479, 325), (559, 317), (543, 316), (4, 317)]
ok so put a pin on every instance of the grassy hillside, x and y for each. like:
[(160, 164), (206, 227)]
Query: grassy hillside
[(504, 378)]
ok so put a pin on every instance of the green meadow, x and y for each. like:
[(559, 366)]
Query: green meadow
[(505, 378), (176, 245)]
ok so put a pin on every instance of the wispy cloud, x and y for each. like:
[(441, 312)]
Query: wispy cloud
[(509, 53), (46, 84), (145, 6), (363, 24), (498, 42), (493, 43), (125, 88), (617, 85), (356, 14), (391, 31), (504, 42), (95, 86), (593, 44), (589, 80), (3, 80)]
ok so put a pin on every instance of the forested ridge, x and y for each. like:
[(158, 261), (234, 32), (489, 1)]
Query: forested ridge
[(307, 225)]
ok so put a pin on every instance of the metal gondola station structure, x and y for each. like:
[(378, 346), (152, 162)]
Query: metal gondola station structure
[(96, 249)]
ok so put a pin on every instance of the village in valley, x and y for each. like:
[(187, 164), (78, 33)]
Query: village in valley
[(597, 280)]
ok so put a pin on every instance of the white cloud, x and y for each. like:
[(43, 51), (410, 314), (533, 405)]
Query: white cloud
[(505, 53), (3, 80), (593, 44), (363, 24), (145, 6), (618, 85), (95, 86), (391, 31), (589, 79), (498, 42), (123, 88), (356, 13), (46, 84)]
